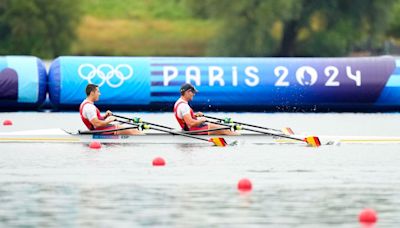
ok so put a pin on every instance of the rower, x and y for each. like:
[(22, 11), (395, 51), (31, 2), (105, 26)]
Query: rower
[(92, 118), (190, 121)]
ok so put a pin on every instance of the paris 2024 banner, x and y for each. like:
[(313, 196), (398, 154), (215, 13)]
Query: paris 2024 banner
[(229, 82)]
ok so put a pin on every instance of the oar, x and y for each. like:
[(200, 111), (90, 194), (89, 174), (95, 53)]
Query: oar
[(217, 141), (287, 131), (138, 121), (311, 140)]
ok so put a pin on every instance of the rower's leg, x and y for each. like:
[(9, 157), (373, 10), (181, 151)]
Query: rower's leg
[(220, 132)]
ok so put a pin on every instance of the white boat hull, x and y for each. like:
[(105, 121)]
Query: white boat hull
[(150, 138), (61, 136)]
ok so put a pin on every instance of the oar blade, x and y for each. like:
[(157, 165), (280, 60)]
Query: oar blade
[(313, 141), (218, 141)]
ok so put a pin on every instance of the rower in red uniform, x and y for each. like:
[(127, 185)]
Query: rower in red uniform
[(92, 118), (190, 121)]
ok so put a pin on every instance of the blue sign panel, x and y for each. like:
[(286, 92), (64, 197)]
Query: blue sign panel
[(121, 80), (241, 82), (272, 81)]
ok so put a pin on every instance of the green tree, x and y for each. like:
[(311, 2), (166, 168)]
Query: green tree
[(394, 25), (43, 28), (295, 27)]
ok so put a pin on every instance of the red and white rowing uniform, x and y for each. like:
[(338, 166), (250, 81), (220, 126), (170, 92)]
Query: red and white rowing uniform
[(88, 112), (182, 108)]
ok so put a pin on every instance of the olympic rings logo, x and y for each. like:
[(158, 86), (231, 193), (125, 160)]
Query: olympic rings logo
[(106, 73)]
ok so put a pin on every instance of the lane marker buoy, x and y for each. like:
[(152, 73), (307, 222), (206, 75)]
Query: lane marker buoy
[(7, 123), (158, 161), (367, 215), (95, 145), (244, 185)]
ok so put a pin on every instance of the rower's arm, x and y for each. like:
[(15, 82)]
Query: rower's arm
[(190, 122), (102, 123)]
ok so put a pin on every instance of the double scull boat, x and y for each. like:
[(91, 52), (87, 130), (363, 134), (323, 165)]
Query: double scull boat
[(63, 136)]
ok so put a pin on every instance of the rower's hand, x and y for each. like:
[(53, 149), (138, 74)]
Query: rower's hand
[(110, 119), (202, 119), (198, 114), (108, 113)]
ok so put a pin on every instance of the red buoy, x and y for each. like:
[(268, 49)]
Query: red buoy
[(158, 161), (244, 185), (7, 123), (367, 215), (95, 145)]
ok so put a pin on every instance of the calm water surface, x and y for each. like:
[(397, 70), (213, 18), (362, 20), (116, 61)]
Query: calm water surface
[(70, 185)]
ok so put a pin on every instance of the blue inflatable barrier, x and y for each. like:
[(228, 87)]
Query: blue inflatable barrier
[(242, 83), (122, 80), (22, 82)]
